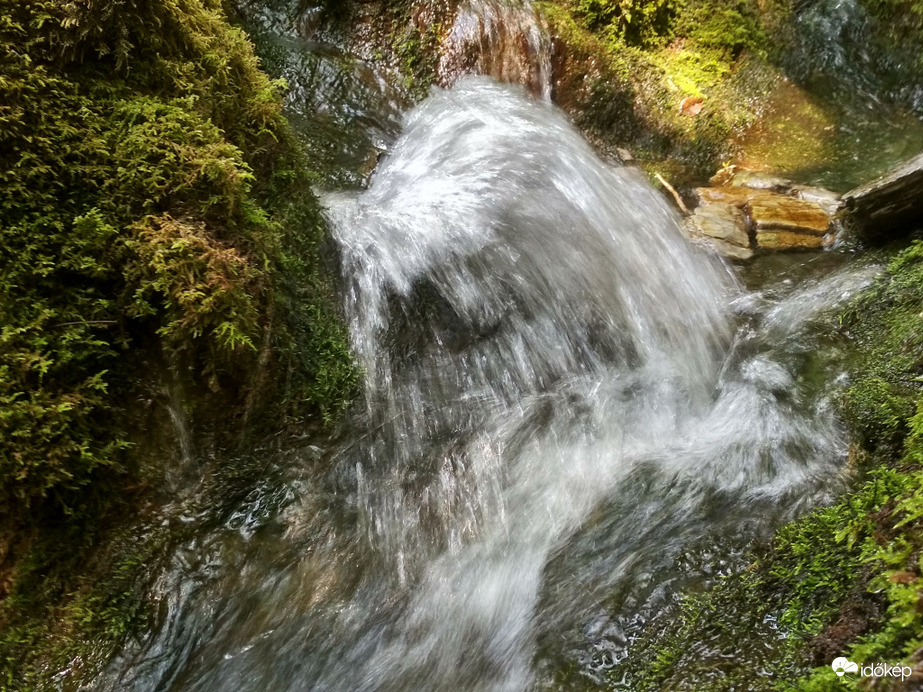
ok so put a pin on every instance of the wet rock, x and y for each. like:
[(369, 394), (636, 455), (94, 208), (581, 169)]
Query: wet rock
[(892, 202), (504, 40), (730, 250), (787, 240), (757, 211), (723, 227), (827, 200), (721, 221), (759, 180), (778, 212), (736, 196)]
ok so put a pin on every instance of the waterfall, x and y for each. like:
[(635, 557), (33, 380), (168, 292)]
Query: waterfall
[(561, 397), (501, 38), (534, 330)]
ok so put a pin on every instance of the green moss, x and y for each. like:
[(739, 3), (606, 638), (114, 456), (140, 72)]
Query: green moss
[(418, 52), (156, 208), (650, 58), (138, 218), (81, 631)]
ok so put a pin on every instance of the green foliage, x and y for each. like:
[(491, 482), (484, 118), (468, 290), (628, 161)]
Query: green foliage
[(199, 286), (418, 52), (642, 59), (134, 219), (725, 26), (154, 207), (636, 22), (81, 631), (887, 324), (904, 17)]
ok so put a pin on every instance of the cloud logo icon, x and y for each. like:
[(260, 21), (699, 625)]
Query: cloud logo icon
[(841, 666)]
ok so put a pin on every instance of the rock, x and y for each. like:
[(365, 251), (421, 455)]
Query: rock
[(722, 227), (721, 221), (724, 176), (625, 155), (729, 249), (758, 211), (737, 196), (786, 240), (827, 200), (894, 201), (777, 212), (761, 181)]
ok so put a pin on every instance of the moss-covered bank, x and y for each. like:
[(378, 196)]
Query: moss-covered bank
[(158, 234), (676, 81)]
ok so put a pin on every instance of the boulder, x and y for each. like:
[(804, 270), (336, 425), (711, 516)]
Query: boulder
[(757, 211), (723, 227), (894, 201)]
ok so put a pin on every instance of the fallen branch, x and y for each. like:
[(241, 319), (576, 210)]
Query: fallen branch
[(672, 191)]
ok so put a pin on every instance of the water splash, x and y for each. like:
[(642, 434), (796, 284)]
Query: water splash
[(561, 396), (564, 337)]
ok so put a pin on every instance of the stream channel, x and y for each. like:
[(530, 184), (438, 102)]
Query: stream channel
[(569, 415)]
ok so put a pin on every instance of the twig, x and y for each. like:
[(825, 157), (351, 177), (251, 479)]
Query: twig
[(68, 324), (672, 191)]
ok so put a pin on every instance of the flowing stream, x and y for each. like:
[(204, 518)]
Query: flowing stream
[(569, 413), (563, 401)]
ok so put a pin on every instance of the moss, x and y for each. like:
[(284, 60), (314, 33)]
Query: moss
[(82, 629), (138, 219), (652, 57), (418, 52), (157, 216)]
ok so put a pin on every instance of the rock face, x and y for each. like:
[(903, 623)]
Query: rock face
[(753, 212), (893, 201)]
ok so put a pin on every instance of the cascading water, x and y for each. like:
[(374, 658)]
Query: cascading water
[(500, 38), (561, 397)]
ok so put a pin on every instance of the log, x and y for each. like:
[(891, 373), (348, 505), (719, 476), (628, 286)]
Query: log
[(893, 202)]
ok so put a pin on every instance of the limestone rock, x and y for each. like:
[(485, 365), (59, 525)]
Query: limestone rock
[(728, 194), (778, 212), (786, 240), (721, 221), (894, 201)]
